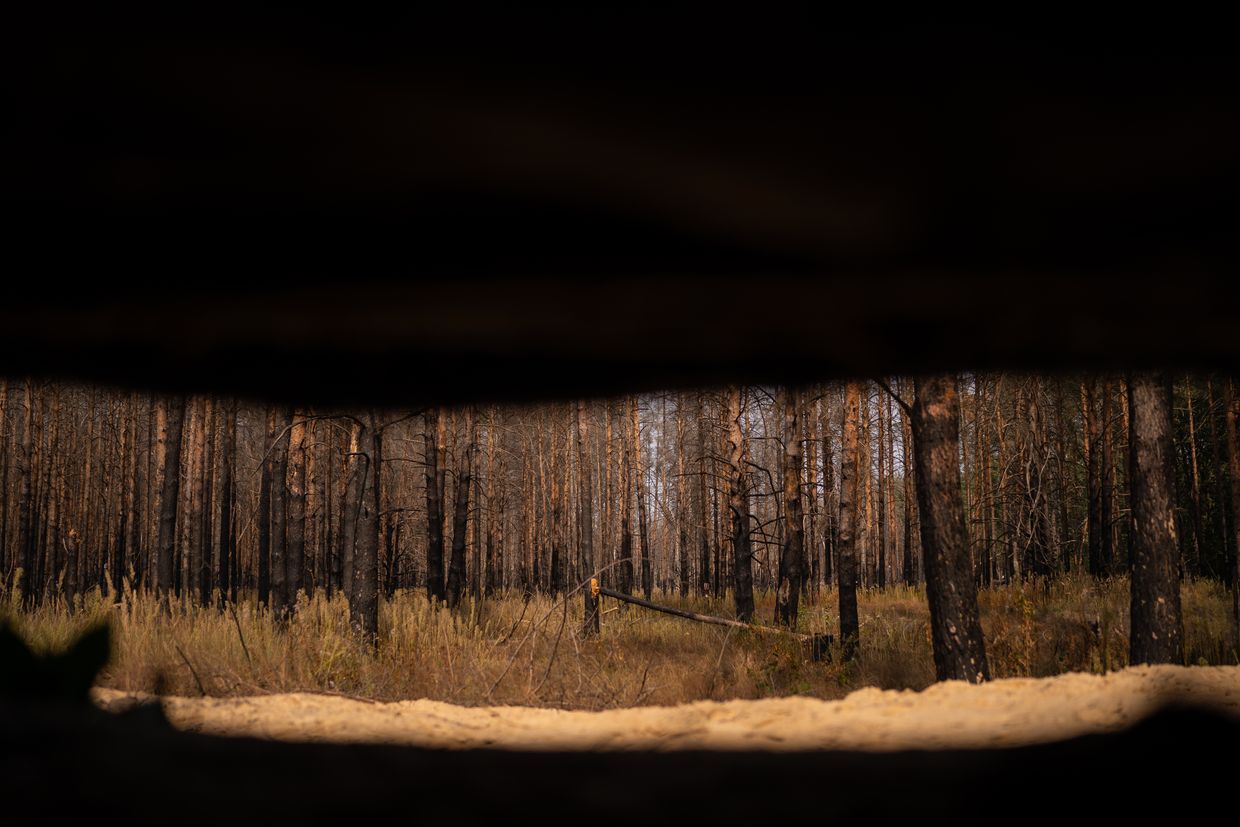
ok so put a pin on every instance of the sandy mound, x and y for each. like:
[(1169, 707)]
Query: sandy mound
[(955, 714)]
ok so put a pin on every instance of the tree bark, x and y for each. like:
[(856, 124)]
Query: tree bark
[(738, 507), (295, 552), (1232, 402), (279, 516), (227, 530), (846, 548), (1157, 630), (639, 476), (791, 562), (432, 430), (264, 512), (364, 599), (170, 493), (590, 623), (460, 517), (956, 631)]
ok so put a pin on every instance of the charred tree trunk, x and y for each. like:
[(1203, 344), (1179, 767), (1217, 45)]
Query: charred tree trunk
[(295, 552), (639, 476), (364, 599), (791, 562), (432, 428), (956, 631), (1157, 630), (351, 506), (279, 517), (25, 500), (738, 507), (590, 624), (846, 550), (1232, 402), (227, 533), (264, 513), (704, 579), (460, 517), (682, 507), (170, 494)]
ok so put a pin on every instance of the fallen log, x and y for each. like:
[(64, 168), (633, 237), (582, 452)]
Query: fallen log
[(819, 643)]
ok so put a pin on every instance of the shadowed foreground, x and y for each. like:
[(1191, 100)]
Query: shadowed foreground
[(60, 767)]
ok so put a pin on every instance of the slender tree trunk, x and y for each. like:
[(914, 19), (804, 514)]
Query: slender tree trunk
[(738, 507), (911, 522), (1193, 564), (356, 468), (682, 506), (1221, 494), (432, 429), (227, 530), (364, 599), (956, 631), (703, 524), (586, 522), (791, 562), (846, 551), (1232, 402), (1157, 630), (460, 518), (280, 516), (170, 495), (639, 475), (264, 512), (295, 551)]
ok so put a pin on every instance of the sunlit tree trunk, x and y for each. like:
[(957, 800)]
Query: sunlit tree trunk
[(846, 550)]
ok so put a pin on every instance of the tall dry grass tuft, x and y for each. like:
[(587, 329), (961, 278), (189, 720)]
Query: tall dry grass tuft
[(506, 650)]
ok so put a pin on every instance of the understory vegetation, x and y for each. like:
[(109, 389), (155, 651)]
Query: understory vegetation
[(507, 650)]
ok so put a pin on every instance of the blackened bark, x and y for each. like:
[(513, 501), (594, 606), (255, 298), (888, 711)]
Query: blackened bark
[(295, 552), (434, 507), (585, 517), (643, 536), (956, 631), (227, 457), (738, 507), (364, 599), (460, 517), (351, 507), (170, 494), (279, 516), (846, 546), (791, 561), (264, 512), (1232, 402), (1156, 630)]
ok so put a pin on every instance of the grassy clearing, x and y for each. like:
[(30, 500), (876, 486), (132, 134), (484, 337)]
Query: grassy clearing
[(505, 651)]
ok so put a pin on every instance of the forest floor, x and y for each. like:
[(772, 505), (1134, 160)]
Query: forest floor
[(954, 714)]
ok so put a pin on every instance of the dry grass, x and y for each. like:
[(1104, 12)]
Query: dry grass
[(507, 652)]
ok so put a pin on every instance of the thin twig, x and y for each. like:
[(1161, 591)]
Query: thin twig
[(192, 670)]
